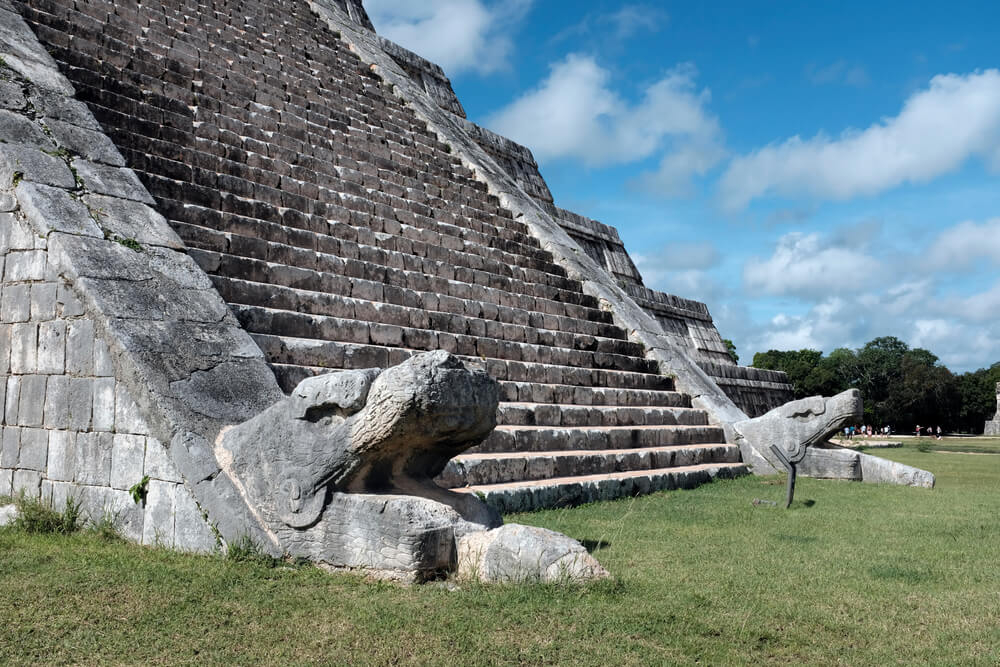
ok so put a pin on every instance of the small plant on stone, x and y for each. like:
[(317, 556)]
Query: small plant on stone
[(17, 178), (62, 153), (140, 490), (38, 517), (131, 244), (76, 176)]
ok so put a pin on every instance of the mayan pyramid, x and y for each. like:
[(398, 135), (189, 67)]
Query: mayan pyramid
[(203, 203)]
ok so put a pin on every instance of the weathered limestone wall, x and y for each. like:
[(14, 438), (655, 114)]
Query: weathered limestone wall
[(601, 242), (429, 75), (123, 361), (690, 325), (515, 159), (70, 428), (755, 390)]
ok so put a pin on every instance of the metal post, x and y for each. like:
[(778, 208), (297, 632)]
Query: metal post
[(791, 474)]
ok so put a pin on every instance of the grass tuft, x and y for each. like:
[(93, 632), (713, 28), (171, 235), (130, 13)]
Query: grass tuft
[(245, 550), (35, 517)]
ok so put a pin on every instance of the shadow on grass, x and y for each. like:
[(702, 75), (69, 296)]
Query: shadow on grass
[(908, 575), (796, 539), (774, 504), (595, 545)]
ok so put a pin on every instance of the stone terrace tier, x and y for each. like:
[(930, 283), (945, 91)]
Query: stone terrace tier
[(344, 234)]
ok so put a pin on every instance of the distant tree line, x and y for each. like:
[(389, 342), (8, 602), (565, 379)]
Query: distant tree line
[(901, 386)]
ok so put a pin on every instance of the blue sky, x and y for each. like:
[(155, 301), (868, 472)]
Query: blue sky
[(818, 173)]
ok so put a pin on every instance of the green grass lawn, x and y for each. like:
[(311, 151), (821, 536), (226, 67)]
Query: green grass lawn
[(853, 574)]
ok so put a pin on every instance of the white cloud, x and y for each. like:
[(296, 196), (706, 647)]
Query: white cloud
[(839, 72), (963, 332), (576, 114), (673, 176), (966, 243), (806, 265), (610, 29), (632, 19), (458, 35), (981, 308), (960, 345), (938, 129)]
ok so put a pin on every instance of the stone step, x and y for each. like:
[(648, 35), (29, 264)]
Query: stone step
[(324, 356), (554, 414), (504, 468), (593, 438), (267, 240), (287, 324), (367, 280), (569, 491), (508, 325), (538, 392), (475, 219), (416, 228)]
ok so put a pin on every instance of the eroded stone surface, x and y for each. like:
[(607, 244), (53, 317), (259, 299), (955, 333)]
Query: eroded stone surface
[(387, 432), (794, 427), (878, 470), (802, 430), (516, 553)]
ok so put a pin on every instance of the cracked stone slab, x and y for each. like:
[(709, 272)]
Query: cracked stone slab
[(16, 129), (91, 144), (106, 180), (54, 210), (58, 106), (39, 73), (19, 40), (8, 515), (133, 220), (11, 95), (33, 165)]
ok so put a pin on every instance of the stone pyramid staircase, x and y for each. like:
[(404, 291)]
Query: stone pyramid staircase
[(344, 235)]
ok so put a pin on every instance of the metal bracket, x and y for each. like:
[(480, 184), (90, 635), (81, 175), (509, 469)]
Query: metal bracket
[(791, 474)]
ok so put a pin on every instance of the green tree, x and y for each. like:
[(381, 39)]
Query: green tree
[(808, 371), (842, 367), (977, 398), (900, 386), (731, 349), (878, 372), (797, 364), (926, 393)]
